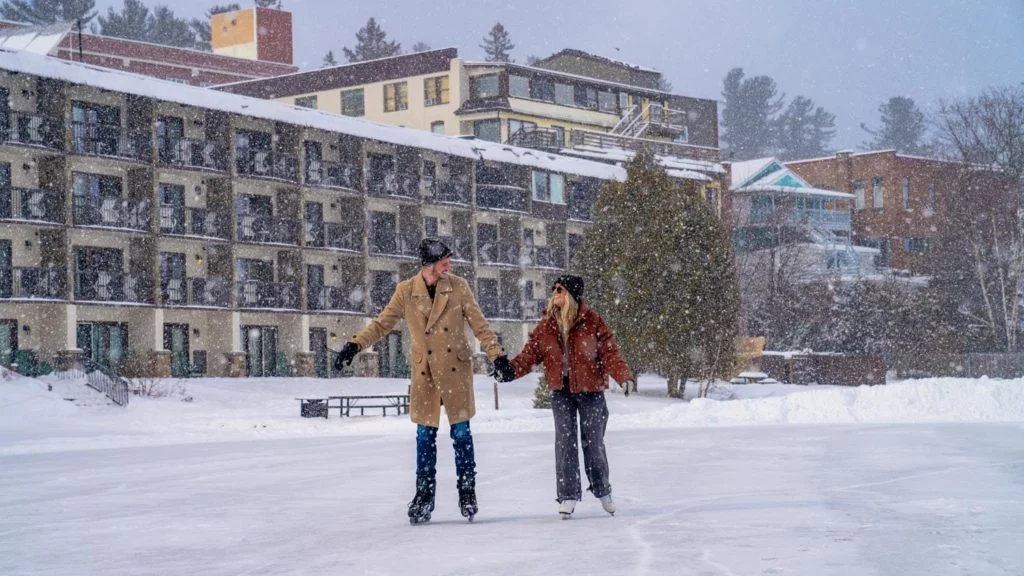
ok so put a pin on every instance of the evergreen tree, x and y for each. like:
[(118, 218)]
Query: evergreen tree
[(659, 269), (803, 131), (371, 43), (201, 28), (135, 21), (421, 47), (276, 4), (130, 23), (329, 60), (747, 117), (903, 127), (542, 394), (48, 11), (497, 44)]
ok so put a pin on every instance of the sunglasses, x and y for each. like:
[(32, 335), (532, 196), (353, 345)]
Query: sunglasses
[(558, 289)]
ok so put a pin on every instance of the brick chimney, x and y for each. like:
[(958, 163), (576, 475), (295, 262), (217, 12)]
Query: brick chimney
[(255, 33)]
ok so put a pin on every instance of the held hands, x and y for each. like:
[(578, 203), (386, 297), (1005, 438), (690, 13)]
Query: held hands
[(503, 371), (628, 386), (348, 352)]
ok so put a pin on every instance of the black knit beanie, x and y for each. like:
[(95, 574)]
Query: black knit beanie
[(433, 251), (572, 284)]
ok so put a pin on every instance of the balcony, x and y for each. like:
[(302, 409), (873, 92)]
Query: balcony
[(111, 140), (43, 283), (196, 292), (544, 257), (33, 130), (189, 153), (500, 253), (393, 246), (111, 212), (268, 229), (274, 295), (606, 140), (333, 175), (501, 197), (835, 218), (336, 298), (448, 191), (111, 286), (538, 139), (267, 164), (179, 220), (344, 237), (33, 205), (394, 184)]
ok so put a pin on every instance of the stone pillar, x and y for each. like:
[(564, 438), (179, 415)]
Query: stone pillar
[(67, 359), (236, 365), (365, 365), (159, 364), (305, 364)]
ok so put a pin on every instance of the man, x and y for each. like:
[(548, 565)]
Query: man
[(435, 304)]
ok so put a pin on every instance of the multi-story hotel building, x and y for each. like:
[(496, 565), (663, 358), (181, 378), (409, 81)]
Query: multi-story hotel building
[(171, 229)]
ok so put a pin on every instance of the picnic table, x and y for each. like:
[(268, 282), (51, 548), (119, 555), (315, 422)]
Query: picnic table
[(346, 405)]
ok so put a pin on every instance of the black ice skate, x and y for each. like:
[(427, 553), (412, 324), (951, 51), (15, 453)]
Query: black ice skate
[(467, 497), (423, 503)]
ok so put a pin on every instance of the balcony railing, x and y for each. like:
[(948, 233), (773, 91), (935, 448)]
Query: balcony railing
[(333, 175), (268, 229), (544, 257), (189, 153), (604, 140), (841, 218), (336, 298), (111, 140), (32, 204), (267, 164), (111, 286), (448, 191), (46, 283), (196, 292), (33, 130), (500, 253), (112, 212), (501, 197), (538, 139), (258, 294), (344, 237), (194, 222), (393, 247), (397, 184)]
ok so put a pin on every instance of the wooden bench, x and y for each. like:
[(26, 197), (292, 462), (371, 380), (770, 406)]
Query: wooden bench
[(319, 407)]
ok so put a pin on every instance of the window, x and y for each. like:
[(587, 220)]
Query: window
[(352, 103), (437, 127), (556, 183), (858, 193), (711, 195), (915, 245), (484, 86), (543, 89), (608, 102), (559, 135), (877, 192), (517, 125), (548, 187), (430, 226), (383, 233), (435, 91), (905, 193), (586, 97), (306, 102), (564, 94), (489, 130), (396, 97), (518, 86), (761, 208), (487, 294), (931, 197)]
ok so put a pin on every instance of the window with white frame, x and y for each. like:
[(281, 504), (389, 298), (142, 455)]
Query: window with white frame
[(905, 192), (877, 192), (858, 194)]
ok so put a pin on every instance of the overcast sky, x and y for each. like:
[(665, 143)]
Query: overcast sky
[(847, 55)]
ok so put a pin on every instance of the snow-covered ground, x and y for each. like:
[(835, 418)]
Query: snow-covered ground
[(919, 477)]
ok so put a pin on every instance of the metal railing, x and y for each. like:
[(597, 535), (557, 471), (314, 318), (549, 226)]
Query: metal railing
[(605, 140), (196, 292), (397, 246), (267, 164), (33, 204), (105, 380), (336, 298), (449, 191), (43, 282), (498, 253), (391, 183), (115, 212), (33, 130), (544, 257), (194, 221), (260, 294), (268, 229), (111, 140), (343, 237), (501, 197), (111, 286), (323, 173), (191, 153), (538, 139)]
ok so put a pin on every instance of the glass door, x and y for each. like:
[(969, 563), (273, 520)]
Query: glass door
[(176, 340), (6, 271), (5, 190), (318, 347), (172, 278), (170, 130), (8, 341), (314, 224), (317, 298), (260, 343), (106, 343)]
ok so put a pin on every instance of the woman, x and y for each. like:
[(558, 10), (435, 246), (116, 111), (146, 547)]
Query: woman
[(579, 353)]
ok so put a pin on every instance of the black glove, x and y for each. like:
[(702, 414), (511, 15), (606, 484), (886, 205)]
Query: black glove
[(503, 371), (348, 352)]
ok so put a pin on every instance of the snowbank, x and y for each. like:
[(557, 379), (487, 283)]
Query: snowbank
[(74, 417)]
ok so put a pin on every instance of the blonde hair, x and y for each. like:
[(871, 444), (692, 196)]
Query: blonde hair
[(565, 317)]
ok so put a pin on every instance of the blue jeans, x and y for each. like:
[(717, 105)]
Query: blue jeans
[(426, 451)]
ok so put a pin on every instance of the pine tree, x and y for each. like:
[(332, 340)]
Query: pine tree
[(130, 23), (803, 131), (329, 60), (202, 27), (747, 117), (674, 310), (371, 43), (421, 47), (166, 29), (497, 44), (276, 4), (135, 21), (48, 11), (903, 127)]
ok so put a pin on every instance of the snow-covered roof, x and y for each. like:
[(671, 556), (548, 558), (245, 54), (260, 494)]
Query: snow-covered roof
[(128, 83), (771, 175), (624, 155), (569, 75), (590, 55), (34, 39)]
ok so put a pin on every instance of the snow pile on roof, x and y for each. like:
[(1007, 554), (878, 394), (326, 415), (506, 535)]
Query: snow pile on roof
[(771, 175), (124, 82), (34, 39)]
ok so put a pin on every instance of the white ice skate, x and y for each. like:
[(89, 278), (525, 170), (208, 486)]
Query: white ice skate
[(608, 504), (565, 508)]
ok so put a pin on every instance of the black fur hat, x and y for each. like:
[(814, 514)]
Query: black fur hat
[(433, 251)]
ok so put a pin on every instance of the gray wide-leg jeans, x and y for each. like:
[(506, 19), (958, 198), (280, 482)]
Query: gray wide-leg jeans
[(591, 412)]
